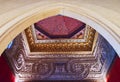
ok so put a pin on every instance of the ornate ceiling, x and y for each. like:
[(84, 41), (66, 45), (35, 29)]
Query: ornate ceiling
[(59, 27), (60, 48), (60, 34)]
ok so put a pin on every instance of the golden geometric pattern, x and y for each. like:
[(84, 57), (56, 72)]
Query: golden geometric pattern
[(60, 46)]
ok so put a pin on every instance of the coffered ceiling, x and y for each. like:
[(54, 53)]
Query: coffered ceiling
[(60, 34), (60, 48)]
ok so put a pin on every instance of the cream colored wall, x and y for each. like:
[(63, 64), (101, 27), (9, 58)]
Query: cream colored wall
[(103, 15)]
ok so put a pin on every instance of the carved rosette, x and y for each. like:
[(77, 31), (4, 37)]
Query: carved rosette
[(19, 60), (79, 70), (42, 69)]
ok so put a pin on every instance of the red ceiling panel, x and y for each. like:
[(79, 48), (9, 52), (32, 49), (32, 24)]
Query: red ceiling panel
[(59, 26)]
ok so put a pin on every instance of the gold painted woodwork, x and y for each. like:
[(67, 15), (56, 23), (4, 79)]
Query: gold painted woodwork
[(60, 46)]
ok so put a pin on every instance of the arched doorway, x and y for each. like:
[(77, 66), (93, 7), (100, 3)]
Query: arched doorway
[(99, 23), (17, 25)]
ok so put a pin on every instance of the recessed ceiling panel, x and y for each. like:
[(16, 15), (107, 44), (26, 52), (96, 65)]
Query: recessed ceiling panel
[(60, 34), (58, 48), (59, 26)]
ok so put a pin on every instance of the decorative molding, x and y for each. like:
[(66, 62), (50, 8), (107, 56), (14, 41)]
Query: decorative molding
[(59, 66), (61, 45)]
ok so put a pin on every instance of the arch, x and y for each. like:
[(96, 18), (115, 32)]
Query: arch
[(98, 21)]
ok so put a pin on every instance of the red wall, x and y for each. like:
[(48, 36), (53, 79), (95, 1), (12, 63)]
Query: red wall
[(114, 73), (6, 74)]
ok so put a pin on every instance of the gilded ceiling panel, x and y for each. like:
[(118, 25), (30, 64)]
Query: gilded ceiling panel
[(61, 44)]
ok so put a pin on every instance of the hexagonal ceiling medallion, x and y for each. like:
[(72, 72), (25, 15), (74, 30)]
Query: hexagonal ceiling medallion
[(59, 26)]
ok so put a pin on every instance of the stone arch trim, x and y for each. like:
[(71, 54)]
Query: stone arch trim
[(10, 29)]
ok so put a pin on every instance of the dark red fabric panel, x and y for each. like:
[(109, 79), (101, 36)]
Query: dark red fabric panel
[(5, 72), (114, 73)]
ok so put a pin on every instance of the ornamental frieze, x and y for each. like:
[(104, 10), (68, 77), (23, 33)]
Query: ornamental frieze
[(38, 66)]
